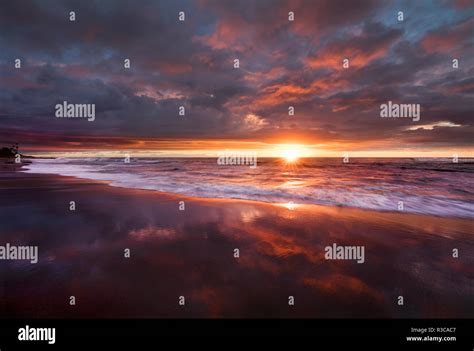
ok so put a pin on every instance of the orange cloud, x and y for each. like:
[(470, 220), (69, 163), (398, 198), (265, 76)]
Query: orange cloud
[(333, 56), (448, 41), (278, 93), (227, 34)]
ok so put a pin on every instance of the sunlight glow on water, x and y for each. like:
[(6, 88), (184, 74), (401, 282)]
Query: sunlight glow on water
[(432, 186)]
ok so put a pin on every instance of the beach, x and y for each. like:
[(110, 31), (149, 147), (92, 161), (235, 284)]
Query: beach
[(191, 253)]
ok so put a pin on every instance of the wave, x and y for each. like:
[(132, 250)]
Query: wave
[(181, 178)]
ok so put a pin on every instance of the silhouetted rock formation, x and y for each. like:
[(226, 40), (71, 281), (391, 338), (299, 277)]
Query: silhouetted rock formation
[(11, 152), (7, 152)]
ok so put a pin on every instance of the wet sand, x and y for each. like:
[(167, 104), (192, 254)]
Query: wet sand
[(190, 253)]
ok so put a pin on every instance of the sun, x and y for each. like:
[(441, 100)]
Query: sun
[(290, 155)]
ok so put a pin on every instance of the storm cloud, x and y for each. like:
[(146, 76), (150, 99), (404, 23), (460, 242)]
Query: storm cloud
[(190, 63)]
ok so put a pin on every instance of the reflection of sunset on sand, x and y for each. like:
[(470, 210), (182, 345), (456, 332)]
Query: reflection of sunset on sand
[(190, 253)]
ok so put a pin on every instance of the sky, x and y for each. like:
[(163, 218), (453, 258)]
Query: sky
[(282, 63)]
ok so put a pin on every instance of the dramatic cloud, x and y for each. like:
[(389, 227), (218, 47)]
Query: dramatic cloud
[(191, 64)]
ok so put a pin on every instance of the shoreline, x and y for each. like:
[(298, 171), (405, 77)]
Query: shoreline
[(230, 199)]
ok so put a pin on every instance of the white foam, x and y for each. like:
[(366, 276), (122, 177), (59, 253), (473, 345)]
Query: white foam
[(148, 176)]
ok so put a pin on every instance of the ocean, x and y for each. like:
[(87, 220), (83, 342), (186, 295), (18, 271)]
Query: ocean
[(433, 186)]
